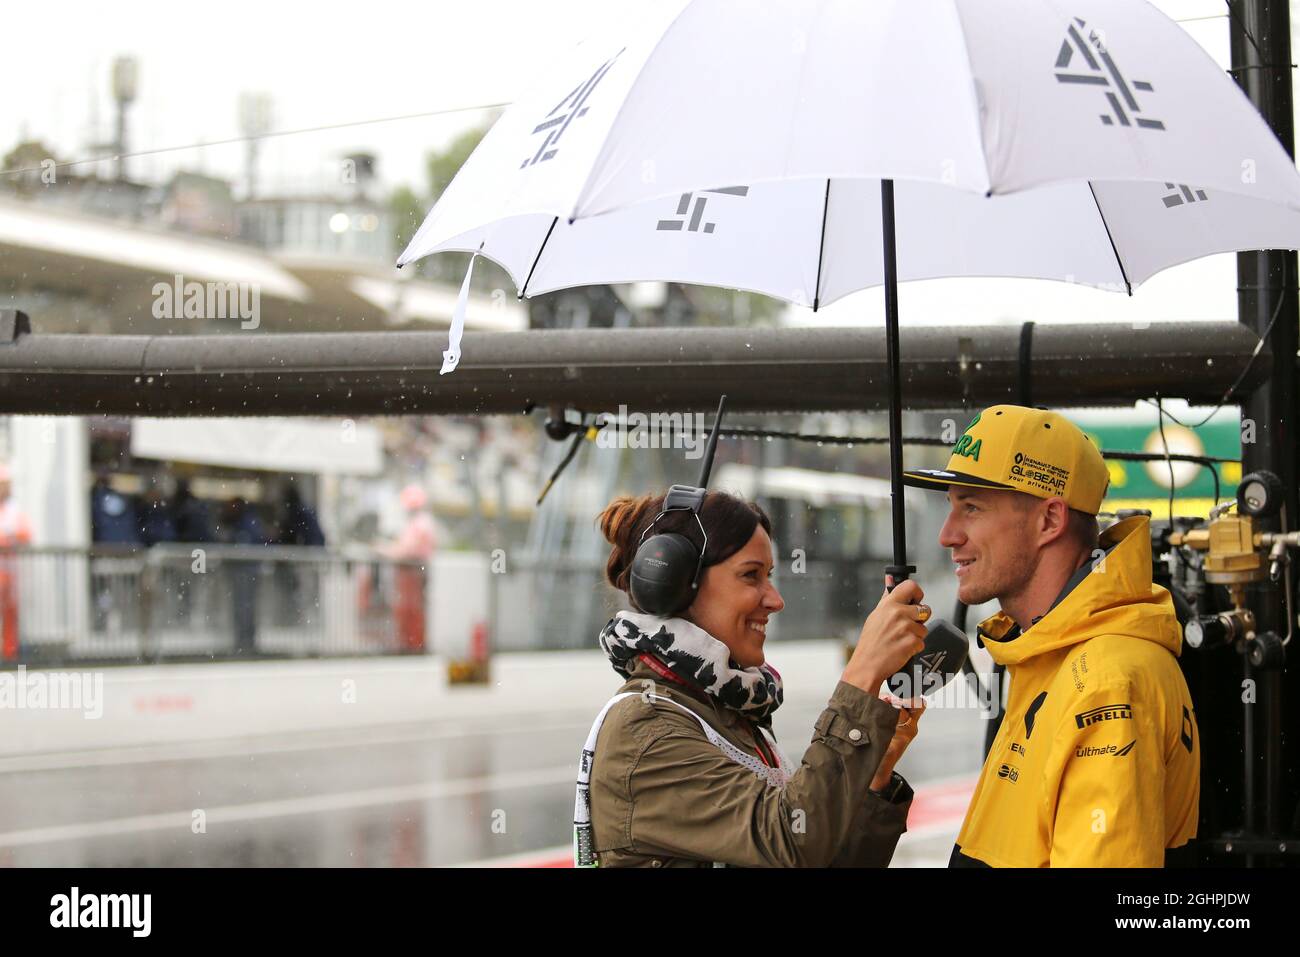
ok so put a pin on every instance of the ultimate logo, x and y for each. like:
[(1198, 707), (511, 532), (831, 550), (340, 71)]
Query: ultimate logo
[(965, 446), (1111, 749)]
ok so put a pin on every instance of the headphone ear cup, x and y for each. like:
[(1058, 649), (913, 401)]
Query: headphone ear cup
[(662, 574)]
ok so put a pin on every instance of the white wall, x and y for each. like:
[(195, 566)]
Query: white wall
[(50, 460)]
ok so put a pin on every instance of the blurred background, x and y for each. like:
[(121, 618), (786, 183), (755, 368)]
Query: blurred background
[(329, 641)]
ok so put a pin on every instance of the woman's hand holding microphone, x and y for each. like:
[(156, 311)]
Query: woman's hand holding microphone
[(891, 635)]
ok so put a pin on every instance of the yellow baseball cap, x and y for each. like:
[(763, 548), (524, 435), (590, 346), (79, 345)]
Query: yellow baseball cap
[(1023, 450)]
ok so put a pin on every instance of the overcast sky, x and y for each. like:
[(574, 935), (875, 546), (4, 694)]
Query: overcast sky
[(323, 63), (330, 62)]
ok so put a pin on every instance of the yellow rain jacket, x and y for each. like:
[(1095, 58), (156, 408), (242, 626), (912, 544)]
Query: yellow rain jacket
[(1097, 762)]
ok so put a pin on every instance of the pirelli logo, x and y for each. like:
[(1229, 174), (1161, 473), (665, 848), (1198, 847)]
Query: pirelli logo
[(1109, 712)]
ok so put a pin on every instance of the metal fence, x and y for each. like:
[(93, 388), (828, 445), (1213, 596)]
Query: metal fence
[(553, 605), (200, 602), (190, 602)]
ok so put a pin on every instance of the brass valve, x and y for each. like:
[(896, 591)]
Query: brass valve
[(1232, 547), (1236, 554)]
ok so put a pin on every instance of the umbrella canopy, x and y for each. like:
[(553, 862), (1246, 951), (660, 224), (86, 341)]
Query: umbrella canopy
[(979, 96), (759, 146), (811, 242)]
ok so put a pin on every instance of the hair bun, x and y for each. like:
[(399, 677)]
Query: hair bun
[(620, 522), (618, 519)]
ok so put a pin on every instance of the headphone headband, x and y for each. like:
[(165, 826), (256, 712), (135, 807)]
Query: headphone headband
[(658, 577)]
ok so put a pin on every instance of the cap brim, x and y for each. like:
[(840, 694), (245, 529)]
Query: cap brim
[(941, 479)]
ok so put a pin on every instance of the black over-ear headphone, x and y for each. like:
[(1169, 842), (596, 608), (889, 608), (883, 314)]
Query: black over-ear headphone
[(666, 570)]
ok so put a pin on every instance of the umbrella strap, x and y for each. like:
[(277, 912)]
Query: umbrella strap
[(451, 357)]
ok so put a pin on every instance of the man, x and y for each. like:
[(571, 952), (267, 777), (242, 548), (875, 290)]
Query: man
[(1097, 761)]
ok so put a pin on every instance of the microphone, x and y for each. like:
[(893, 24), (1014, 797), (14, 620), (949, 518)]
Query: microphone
[(945, 651)]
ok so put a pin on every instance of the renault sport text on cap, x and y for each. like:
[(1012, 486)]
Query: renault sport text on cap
[(1023, 450)]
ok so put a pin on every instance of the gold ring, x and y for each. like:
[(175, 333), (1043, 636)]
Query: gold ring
[(923, 613)]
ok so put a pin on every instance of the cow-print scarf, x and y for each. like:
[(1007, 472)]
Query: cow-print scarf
[(694, 655)]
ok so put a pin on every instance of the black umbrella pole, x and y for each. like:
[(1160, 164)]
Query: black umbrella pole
[(900, 570)]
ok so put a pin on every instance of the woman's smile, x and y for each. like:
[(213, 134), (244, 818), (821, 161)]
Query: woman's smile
[(737, 599)]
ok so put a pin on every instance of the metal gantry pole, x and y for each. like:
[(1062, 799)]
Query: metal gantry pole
[(1260, 40), (505, 373)]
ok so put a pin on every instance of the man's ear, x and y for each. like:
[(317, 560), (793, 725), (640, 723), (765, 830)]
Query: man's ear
[(1054, 521)]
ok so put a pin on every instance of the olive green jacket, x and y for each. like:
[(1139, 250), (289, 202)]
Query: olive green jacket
[(663, 796)]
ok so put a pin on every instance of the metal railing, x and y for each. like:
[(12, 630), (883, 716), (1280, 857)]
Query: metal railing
[(182, 602), (196, 602), (564, 604)]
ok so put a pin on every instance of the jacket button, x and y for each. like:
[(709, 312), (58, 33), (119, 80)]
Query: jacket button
[(855, 735)]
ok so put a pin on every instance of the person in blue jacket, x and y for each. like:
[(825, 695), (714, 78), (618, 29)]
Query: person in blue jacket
[(113, 517), (242, 527)]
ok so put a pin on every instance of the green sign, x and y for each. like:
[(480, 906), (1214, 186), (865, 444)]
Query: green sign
[(1146, 484)]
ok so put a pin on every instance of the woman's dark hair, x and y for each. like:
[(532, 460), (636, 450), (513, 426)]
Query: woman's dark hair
[(729, 521)]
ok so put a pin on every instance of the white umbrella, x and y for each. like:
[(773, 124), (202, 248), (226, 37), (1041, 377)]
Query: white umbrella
[(757, 146), (811, 242)]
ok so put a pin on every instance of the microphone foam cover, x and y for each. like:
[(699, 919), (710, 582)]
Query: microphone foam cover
[(945, 651)]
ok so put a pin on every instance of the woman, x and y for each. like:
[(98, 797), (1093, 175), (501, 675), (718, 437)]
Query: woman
[(685, 770)]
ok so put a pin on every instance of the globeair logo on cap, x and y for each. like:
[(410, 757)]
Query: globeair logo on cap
[(1043, 477)]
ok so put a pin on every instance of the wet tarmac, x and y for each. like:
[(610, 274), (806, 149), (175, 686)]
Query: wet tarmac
[(438, 794)]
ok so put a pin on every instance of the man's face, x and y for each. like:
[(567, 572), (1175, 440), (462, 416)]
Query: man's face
[(990, 534)]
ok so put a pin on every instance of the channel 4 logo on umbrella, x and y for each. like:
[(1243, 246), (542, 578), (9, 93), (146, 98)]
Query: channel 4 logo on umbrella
[(1098, 69), (570, 108), (1181, 194), (696, 224)]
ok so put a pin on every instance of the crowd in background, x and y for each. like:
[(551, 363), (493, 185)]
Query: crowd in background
[(151, 518)]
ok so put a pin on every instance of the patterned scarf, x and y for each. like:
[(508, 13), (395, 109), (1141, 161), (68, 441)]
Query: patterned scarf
[(694, 655)]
